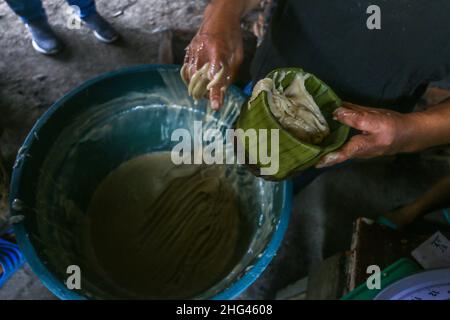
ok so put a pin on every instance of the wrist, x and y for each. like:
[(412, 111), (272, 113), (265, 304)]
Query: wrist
[(222, 14), (410, 128)]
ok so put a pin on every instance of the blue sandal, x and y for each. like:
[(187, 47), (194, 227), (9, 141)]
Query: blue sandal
[(11, 259), (388, 223)]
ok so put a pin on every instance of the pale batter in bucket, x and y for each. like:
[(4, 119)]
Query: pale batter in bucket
[(164, 231), (294, 108)]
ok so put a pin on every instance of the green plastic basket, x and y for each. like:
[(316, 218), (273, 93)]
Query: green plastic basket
[(393, 273), (294, 155)]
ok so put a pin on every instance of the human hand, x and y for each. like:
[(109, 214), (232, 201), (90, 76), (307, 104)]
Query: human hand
[(383, 132), (217, 52)]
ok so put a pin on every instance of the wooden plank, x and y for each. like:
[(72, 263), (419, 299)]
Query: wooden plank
[(327, 281)]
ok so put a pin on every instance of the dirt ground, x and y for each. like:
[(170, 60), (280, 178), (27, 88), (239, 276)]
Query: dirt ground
[(31, 82)]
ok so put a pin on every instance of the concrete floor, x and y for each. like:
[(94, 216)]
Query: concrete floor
[(323, 213), (24, 285), (31, 82)]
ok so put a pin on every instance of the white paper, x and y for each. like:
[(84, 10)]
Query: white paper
[(433, 253)]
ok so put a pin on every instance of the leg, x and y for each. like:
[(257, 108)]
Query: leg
[(87, 7), (303, 179), (32, 13), (28, 10), (438, 197), (103, 31)]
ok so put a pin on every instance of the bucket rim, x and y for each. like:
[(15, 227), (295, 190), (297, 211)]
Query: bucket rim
[(56, 286)]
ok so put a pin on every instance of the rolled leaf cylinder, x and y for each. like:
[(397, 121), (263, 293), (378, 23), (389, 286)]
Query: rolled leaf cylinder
[(294, 155)]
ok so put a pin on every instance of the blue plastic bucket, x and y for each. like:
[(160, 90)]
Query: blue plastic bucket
[(88, 133)]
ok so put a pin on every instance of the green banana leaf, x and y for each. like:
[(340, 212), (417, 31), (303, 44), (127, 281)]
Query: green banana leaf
[(294, 155)]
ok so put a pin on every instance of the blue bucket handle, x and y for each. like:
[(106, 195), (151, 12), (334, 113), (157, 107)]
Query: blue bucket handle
[(11, 259)]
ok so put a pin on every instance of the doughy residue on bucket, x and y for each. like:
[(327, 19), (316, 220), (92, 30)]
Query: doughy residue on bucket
[(164, 231)]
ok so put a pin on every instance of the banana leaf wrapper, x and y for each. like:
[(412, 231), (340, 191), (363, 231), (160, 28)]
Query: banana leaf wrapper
[(294, 155)]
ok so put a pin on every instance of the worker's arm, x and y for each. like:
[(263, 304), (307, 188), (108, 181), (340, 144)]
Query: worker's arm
[(219, 42), (386, 132), (438, 197), (430, 128)]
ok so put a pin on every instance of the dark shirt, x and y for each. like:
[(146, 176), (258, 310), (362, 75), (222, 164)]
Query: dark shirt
[(387, 68)]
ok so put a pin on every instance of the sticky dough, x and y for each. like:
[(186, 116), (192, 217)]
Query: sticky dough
[(164, 231), (294, 108), (200, 83)]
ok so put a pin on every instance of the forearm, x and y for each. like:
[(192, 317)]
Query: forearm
[(226, 12), (436, 198), (428, 128)]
